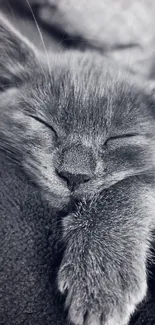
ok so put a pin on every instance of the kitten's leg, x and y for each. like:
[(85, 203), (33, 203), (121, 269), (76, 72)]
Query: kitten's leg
[(104, 266)]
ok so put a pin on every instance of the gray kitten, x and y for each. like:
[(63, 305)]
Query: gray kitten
[(83, 132)]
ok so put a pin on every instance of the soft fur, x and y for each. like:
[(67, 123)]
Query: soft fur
[(82, 131)]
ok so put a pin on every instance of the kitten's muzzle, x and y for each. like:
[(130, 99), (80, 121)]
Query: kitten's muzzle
[(73, 181), (77, 165)]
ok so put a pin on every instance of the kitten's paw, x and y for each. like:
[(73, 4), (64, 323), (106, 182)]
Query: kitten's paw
[(93, 299)]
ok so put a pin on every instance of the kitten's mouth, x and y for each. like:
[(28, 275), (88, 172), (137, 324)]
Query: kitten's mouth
[(86, 189), (73, 187), (97, 185)]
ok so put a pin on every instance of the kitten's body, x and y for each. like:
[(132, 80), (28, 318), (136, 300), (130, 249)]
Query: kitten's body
[(82, 131)]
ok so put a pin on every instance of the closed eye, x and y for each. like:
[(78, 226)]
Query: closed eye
[(43, 122), (4, 84), (121, 136)]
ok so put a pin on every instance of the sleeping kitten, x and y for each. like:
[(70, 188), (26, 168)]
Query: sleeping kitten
[(82, 131)]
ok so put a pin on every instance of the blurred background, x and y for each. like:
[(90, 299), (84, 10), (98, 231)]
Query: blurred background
[(121, 29)]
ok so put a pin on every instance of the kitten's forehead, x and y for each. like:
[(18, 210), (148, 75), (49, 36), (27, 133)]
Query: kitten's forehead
[(86, 93)]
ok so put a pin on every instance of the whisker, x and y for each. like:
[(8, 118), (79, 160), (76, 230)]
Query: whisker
[(41, 36)]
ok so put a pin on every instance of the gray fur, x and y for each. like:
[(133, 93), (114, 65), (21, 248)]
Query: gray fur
[(80, 114)]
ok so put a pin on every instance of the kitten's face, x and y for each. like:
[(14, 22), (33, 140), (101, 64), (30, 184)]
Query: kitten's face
[(77, 128)]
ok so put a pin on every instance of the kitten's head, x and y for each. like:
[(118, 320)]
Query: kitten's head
[(74, 121)]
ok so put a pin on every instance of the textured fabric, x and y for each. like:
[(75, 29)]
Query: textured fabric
[(29, 231)]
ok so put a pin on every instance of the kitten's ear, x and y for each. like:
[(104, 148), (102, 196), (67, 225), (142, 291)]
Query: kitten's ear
[(17, 55)]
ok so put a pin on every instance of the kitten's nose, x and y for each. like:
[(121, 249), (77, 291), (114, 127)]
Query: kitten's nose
[(77, 165), (74, 180)]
